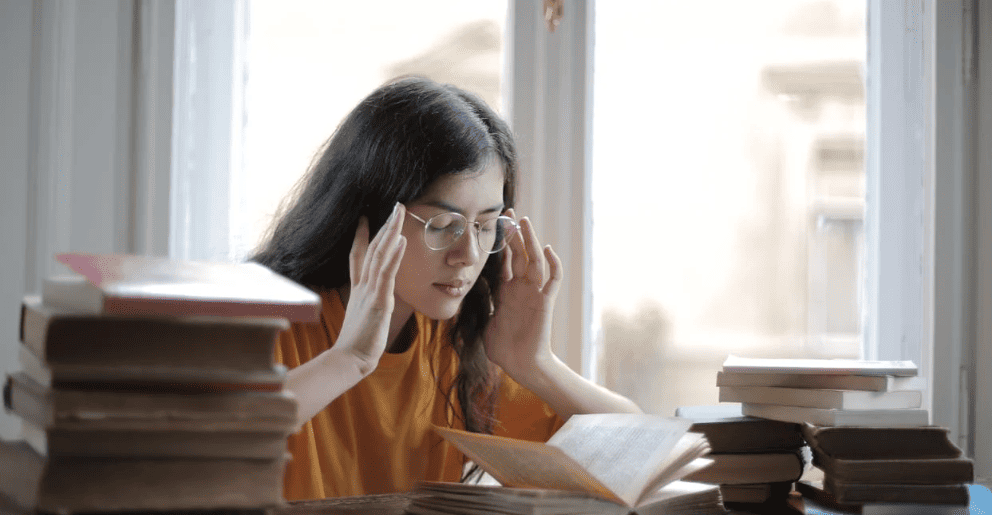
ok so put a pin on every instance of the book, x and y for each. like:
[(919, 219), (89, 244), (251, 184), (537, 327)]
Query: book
[(869, 443), (60, 336), (728, 431), (735, 469), (816, 492), (869, 383), (815, 398), (76, 485), (134, 285), (621, 458), (838, 417), (820, 366), (114, 443), (434, 498), (861, 493), (149, 378), (909, 471), (49, 407), (754, 493)]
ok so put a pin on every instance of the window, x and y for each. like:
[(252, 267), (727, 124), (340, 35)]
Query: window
[(310, 61), (728, 188)]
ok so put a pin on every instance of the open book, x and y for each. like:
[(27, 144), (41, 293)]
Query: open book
[(627, 459)]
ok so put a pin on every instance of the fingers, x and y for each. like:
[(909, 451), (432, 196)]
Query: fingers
[(535, 262), (356, 258), (384, 245), (507, 268), (554, 283)]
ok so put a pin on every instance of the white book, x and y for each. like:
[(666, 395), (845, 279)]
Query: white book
[(812, 398), (838, 417), (821, 381), (820, 366)]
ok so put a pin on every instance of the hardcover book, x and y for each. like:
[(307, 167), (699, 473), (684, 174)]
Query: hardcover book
[(49, 407), (839, 417), (820, 366), (868, 383), (728, 430), (79, 485), (870, 443), (815, 398), (736, 469), (133, 285), (59, 336)]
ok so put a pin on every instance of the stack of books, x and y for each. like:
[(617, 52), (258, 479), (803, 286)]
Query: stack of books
[(755, 461), (871, 442), (151, 385), (825, 392), (886, 465), (607, 463)]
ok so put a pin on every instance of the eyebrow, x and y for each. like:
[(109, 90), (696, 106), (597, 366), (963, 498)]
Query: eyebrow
[(498, 208)]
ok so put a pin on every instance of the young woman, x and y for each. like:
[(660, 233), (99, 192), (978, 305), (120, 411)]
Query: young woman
[(444, 317)]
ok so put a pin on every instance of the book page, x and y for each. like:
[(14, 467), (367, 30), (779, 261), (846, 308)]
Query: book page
[(525, 464), (622, 451)]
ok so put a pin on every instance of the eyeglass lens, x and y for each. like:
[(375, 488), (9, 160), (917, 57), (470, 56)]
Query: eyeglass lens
[(444, 230)]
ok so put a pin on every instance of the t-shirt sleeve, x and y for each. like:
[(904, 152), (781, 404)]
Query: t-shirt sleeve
[(523, 415)]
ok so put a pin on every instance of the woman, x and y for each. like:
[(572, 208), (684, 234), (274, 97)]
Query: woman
[(444, 317)]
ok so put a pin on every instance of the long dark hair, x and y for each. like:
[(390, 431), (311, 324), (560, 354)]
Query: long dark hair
[(391, 148)]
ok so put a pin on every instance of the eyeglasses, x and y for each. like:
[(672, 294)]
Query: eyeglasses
[(443, 230)]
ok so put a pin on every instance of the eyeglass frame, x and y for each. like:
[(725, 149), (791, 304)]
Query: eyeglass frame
[(478, 228)]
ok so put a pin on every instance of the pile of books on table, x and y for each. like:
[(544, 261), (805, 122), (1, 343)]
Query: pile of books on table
[(150, 385), (886, 465), (755, 461), (871, 441), (827, 392)]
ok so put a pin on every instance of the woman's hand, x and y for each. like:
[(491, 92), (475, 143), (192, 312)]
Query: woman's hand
[(519, 334), (373, 265)]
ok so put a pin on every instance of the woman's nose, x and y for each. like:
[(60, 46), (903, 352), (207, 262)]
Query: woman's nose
[(466, 251)]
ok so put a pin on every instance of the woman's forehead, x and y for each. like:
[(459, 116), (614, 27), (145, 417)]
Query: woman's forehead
[(475, 190)]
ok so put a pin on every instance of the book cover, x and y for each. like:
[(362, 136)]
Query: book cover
[(133, 285), (728, 430), (820, 366), (179, 443), (829, 399), (50, 407), (839, 417), (149, 378), (870, 443), (71, 338), (862, 493), (869, 383), (909, 471), (78, 485)]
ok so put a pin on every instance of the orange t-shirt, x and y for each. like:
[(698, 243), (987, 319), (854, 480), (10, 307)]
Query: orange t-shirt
[(377, 436)]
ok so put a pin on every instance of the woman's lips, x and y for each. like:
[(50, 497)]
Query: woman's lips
[(453, 289)]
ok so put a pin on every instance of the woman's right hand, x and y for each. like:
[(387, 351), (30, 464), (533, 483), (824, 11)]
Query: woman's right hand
[(373, 265)]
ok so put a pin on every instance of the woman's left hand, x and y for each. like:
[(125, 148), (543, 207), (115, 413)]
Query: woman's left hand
[(519, 334)]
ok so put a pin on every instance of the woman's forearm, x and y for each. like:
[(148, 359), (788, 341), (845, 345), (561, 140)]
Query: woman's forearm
[(568, 393), (322, 379)]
